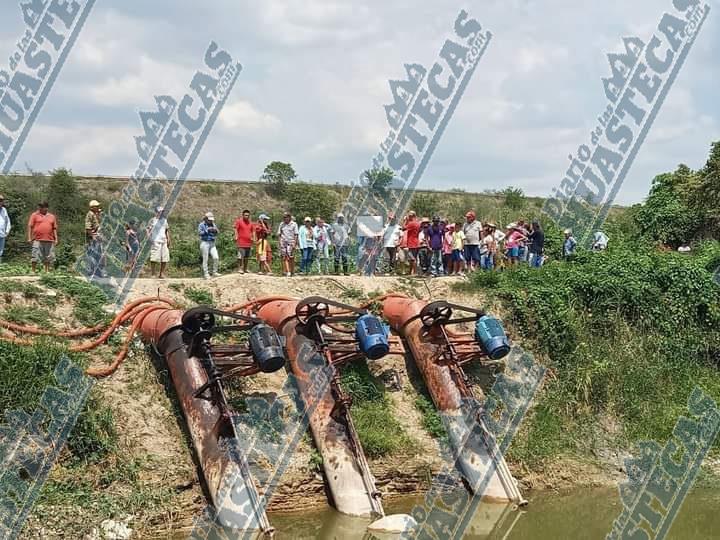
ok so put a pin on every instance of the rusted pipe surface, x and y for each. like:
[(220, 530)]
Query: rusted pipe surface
[(310, 369), (472, 452), (211, 434)]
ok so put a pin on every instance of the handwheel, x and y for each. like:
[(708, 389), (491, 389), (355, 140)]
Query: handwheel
[(435, 313), (312, 308), (196, 319)]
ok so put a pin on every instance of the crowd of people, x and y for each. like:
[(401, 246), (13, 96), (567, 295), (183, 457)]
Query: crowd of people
[(415, 245)]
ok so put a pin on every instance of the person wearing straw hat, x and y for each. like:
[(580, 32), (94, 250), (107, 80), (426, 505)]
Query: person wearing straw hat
[(515, 236), (208, 231), (306, 241), (473, 236), (5, 225), (94, 240)]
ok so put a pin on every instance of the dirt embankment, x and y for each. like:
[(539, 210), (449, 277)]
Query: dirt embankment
[(148, 419)]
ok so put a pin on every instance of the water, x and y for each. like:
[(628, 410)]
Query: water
[(579, 514)]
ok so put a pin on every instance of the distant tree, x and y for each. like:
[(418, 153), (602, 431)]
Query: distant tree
[(311, 200), (425, 204), (63, 195), (379, 180), (278, 176), (668, 214), (514, 197), (707, 195)]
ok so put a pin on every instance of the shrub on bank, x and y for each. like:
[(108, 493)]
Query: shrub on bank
[(628, 332)]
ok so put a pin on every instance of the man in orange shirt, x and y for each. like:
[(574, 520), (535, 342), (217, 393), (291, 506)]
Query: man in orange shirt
[(244, 238), (42, 232), (412, 230)]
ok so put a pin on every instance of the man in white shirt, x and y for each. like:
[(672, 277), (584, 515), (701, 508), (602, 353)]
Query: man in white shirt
[(5, 225), (600, 241), (159, 234), (391, 238), (340, 233)]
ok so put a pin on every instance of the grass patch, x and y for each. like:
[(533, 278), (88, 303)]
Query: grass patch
[(88, 299), (200, 296), (112, 489), (28, 315), (15, 269), (431, 420), (28, 290), (94, 435), (26, 371), (379, 431)]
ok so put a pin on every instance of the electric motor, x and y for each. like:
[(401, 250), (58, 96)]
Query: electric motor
[(490, 333), (267, 348), (372, 336)]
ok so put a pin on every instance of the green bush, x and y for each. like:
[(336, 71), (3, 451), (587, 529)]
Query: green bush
[(211, 190), (311, 200), (630, 331), (514, 198), (199, 296), (425, 204)]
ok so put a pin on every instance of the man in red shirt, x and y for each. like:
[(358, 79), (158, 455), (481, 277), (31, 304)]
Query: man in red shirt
[(244, 238), (42, 232), (412, 230)]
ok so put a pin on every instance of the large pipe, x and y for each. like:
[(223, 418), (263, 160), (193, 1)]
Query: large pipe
[(347, 483), (481, 465), (225, 472)]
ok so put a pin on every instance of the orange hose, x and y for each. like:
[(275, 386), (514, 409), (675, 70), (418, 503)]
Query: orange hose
[(81, 332), (42, 332), (119, 319), (120, 357)]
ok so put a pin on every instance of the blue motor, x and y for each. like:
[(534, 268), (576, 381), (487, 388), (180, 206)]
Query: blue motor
[(372, 335), (491, 335), (267, 348)]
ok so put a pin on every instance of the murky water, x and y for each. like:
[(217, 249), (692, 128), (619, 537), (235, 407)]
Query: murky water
[(577, 515)]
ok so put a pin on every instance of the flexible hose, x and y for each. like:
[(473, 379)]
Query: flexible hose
[(122, 353)]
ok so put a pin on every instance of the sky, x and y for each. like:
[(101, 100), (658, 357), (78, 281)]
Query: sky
[(315, 80)]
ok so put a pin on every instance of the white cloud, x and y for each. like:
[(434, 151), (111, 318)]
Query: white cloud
[(314, 83), (243, 117), (150, 78)]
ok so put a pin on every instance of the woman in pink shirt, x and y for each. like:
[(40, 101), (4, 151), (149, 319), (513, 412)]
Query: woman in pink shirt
[(447, 248), (512, 243)]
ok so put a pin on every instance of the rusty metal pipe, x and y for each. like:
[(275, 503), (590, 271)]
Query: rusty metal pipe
[(482, 466), (342, 462), (224, 472)]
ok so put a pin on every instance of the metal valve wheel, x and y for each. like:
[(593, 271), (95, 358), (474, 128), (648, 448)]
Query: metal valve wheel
[(313, 308), (196, 319), (436, 313)]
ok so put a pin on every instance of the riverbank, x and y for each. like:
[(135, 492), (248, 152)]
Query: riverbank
[(149, 472)]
